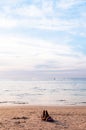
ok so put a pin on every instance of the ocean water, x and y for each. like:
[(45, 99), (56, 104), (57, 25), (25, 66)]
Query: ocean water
[(57, 92)]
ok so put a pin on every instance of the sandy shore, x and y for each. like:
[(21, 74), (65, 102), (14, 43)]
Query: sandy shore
[(29, 118)]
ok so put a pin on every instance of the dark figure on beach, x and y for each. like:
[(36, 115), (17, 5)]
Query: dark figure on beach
[(45, 116)]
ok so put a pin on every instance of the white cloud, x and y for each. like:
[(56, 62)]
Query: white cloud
[(28, 53), (48, 24), (7, 23), (66, 4), (47, 7), (28, 11), (40, 17)]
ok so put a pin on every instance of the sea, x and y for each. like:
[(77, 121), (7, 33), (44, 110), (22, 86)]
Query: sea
[(61, 92)]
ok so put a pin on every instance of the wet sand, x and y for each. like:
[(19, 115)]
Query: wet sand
[(29, 118)]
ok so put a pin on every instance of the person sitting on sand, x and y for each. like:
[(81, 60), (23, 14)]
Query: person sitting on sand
[(45, 116)]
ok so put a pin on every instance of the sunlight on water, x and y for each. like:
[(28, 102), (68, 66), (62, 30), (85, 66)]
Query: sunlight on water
[(61, 92)]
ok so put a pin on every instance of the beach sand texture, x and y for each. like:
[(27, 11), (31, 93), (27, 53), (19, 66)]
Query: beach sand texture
[(29, 118)]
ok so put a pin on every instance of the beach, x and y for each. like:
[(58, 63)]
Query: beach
[(22, 104), (29, 118)]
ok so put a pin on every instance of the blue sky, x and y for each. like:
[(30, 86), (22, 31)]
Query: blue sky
[(43, 36)]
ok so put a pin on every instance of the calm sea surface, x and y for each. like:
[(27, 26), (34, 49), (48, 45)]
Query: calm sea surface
[(57, 92)]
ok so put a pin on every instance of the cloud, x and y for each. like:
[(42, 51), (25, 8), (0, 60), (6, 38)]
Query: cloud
[(24, 53), (67, 4), (42, 35), (45, 16), (27, 11), (37, 54), (7, 23)]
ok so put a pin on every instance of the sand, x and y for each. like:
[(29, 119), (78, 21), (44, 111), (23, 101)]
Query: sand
[(29, 118)]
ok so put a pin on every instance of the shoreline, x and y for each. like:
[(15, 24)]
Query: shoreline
[(40, 105), (37, 105), (28, 117)]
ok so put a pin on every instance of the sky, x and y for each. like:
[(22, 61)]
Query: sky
[(42, 39)]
